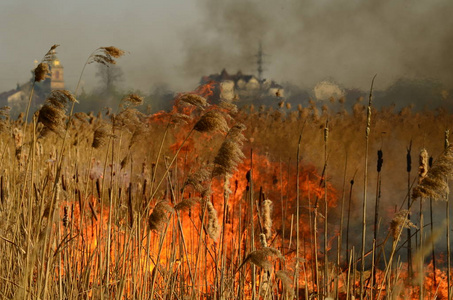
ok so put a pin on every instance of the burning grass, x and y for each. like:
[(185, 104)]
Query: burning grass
[(201, 203)]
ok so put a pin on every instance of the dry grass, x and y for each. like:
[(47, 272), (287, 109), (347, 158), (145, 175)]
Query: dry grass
[(112, 209)]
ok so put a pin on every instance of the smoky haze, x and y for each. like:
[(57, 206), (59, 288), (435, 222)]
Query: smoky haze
[(177, 42), (308, 41)]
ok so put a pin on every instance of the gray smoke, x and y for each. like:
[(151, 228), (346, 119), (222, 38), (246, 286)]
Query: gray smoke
[(308, 41), (177, 42)]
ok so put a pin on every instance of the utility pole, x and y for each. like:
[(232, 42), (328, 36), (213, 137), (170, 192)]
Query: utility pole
[(259, 61)]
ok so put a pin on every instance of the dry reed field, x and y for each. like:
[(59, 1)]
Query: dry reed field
[(208, 201)]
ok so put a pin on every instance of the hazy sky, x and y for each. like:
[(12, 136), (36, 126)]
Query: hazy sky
[(177, 41)]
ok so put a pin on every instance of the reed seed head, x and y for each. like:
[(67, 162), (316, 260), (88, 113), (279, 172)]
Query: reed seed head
[(198, 179), (185, 204), (230, 153), (260, 257), (213, 228), (52, 118), (194, 99), (434, 183), (400, 221), (159, 217), (210, 121), (42, 72), (106, 55), (132, 100), (100, 137)]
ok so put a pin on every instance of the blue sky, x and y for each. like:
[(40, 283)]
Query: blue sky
[(175, 42)]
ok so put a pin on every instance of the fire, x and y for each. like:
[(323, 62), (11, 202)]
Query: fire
[(114, 250), (206, 90)]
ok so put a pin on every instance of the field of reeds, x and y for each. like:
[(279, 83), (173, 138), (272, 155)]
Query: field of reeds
[(208, 201)]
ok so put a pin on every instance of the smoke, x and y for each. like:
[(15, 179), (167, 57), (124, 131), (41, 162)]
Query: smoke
[(307, 41), (177, 42)]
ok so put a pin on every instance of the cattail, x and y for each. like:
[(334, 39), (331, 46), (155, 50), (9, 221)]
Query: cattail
[(380, 161), (433, 183), (195, 100), (65, 216), (408, 160), (213, 224), (159, 217), (447, 135), (100, 137), (400, 221), (267, 218), (210, 121), (263, 240), (423, 164)]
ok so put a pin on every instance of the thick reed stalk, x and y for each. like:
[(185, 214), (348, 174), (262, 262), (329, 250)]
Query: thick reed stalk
[(409, 234), (447, 208), (340, 236), (365, 183), (376, 211), (326, 258), (252, 226), (349, 216), (297, 209)]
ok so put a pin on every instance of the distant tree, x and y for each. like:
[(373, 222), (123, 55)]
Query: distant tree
[(161, 97), (109, 78)]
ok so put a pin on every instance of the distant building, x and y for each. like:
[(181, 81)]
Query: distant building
[(18, 98), (243, 87)]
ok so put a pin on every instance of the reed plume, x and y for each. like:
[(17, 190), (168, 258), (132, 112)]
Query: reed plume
[(230, 153), (286, 282), (213, 228), (185, 204), (42, 71), (197, 180), (260, 257), (194, 99), (131, 100), (433, 183), (53, 112), (400, 221), (211, 121), (100, 137), (159, 217), (105, 55), (229, 106)]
